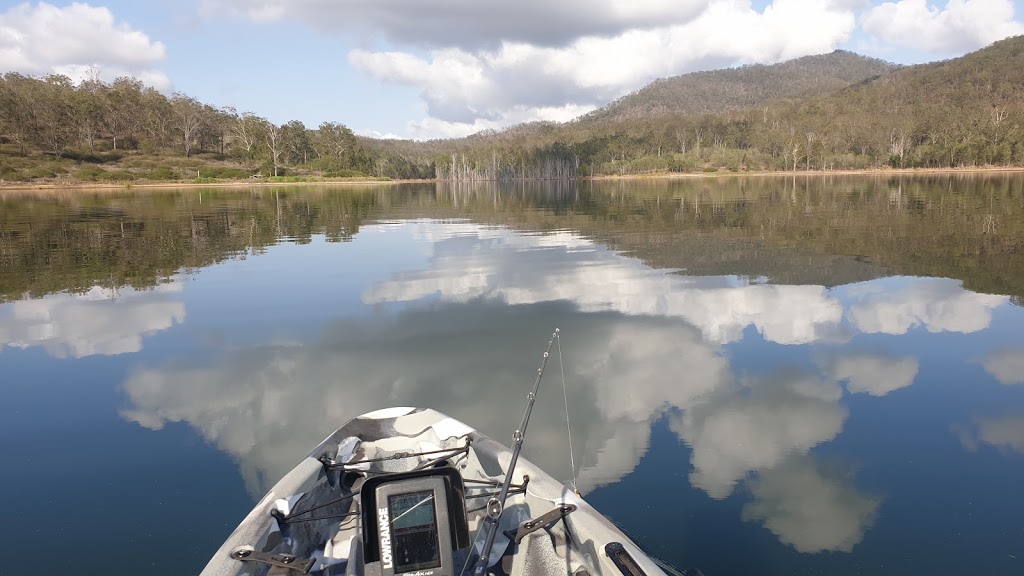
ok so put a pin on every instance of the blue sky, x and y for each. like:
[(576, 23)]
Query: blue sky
[(436, 68)]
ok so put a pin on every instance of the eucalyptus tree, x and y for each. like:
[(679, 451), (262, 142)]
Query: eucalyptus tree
[(297, 141), (16, 119), (215, 129), (158, 118), (121, 103), (247, 134), (274, 137), (337, 141), (53, 111), (89, 110), (188, 114)]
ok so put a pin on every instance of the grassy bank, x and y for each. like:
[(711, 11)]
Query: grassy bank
[(120, 169)]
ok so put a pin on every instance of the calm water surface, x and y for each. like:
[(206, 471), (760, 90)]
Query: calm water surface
[(765, 376)]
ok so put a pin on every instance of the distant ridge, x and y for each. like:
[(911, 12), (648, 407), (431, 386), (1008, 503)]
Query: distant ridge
[(994, 74), (837, 111), (718, 91)]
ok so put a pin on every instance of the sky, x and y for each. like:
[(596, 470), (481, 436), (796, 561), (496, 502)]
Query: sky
[(446, 68)]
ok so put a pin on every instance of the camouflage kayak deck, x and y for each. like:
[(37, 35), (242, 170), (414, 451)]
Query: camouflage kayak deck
[(311, 521)]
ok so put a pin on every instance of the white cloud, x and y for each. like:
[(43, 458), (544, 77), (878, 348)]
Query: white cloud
[(937, 304), (430, 127), (809, 508), (522, 269), (873, 374), (1007, 366), (519, 81), (98, 322), (490, 64), (960, 26), (42, 39), (756, 428), (437, 23), (371, 133)]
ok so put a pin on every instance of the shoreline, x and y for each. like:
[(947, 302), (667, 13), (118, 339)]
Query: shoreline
[(125, 186), (100, 186), (805, 173)]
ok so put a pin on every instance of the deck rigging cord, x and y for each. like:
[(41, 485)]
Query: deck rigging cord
[(568, 427)]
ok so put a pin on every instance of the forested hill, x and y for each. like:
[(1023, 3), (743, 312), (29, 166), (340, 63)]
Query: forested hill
[(994, 71), (718, 91), (837, 111), (964, 112)]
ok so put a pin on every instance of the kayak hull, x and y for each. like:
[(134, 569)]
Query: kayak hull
[(312, 514)]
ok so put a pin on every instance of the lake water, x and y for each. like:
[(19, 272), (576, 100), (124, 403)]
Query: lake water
[(764, 376)]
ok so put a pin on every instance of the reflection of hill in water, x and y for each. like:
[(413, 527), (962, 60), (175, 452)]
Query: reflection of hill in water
[(828, 231), (712, 256)]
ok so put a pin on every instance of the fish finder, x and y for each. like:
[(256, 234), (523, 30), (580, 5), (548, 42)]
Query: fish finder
[(413, 522)]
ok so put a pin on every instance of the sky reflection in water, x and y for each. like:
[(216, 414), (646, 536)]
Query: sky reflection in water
[(788, 402)]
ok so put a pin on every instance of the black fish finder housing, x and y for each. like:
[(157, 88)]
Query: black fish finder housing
[(413, 522)]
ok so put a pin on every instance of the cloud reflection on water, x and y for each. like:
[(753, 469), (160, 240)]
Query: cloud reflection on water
[(754, 426), (100, 321), (873, 374), (643, 344), (1006, 366), (470, 261), (937, 304), (810, 508), (1005, 432)]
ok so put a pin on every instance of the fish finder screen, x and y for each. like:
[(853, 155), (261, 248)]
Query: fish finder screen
[(414, 531)]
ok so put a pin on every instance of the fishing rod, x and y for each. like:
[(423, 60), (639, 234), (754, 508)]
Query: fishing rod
[(495, 506)]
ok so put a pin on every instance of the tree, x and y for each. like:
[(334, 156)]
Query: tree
[(121, 107), (216, 125), (248, 131), (54, 112), (275, 142), (16, 119), (88, 109), (188, 113), (334, 140), (297, 142), (158, 117)]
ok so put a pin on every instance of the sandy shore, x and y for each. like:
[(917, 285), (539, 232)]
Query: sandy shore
[(121, 186), (867, 172), (69, 185)]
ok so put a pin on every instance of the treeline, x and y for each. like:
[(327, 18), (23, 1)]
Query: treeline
[(95, 122)]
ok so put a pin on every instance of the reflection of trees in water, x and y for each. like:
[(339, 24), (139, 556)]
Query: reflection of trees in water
[(77, 240), (828, 230)]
